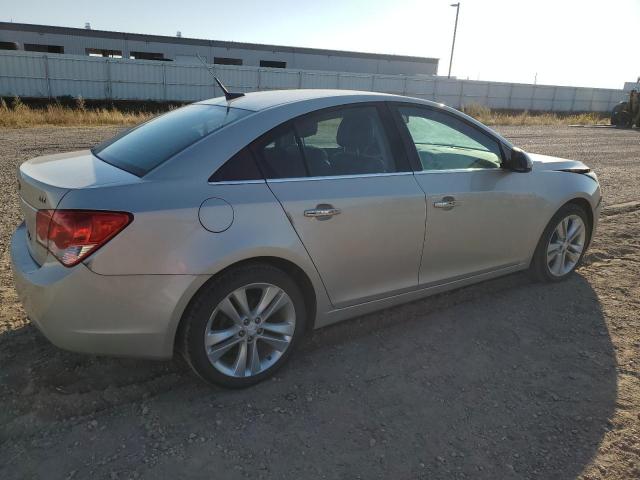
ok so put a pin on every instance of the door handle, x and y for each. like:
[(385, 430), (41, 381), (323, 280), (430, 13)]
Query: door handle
[(447, 203), (322, 212)]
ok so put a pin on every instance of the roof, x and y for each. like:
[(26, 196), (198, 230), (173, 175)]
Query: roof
[(256, 101), (83, 32)]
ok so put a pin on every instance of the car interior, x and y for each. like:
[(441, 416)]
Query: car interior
[(350, 142)]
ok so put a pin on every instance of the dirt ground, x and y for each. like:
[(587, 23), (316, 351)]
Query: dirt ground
[(508, 379)]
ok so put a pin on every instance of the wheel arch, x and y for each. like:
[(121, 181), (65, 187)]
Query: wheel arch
[(289, 267), (586, 206)]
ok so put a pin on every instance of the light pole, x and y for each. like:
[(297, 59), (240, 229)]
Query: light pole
[(453, 45)]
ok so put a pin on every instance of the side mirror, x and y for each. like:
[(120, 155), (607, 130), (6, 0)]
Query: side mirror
[(518, 161)]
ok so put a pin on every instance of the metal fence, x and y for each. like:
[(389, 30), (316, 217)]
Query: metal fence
[(38, 75)]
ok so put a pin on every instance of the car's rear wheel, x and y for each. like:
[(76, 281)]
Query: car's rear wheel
[(562, 244), (243, 325)]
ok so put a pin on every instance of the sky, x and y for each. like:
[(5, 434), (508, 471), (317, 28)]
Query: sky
[(554, 42)]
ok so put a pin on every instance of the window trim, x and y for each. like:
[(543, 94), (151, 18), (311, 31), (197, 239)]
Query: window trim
[(412, 151), (394, 139)]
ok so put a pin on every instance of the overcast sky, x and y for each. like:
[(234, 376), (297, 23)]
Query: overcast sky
[(566, 42)]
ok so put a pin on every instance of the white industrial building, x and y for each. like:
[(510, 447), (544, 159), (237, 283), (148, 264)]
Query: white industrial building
[(101, 43)]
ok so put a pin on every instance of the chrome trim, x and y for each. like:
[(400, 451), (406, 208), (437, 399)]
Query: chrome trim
[(236, 182), (445, 204), (337, 177), (322, 212), (461, 170)]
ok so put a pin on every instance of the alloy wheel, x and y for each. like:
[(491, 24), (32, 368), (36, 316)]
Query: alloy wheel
[(566, 245), (250, 329)]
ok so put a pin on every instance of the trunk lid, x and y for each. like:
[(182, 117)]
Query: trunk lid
[(44, 181)]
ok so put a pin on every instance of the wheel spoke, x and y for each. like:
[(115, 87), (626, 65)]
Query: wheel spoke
[(564, 227), (219, 350), (254, 358), (573, 256), (577, 228), (574, 248), (556, 264), (280, 301), (227, 307), (553, 250), (217, 336), (284, 328), (280, 344), (268, 294), (240, 296), (240, 363)]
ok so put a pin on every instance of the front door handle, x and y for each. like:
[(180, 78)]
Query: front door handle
[(322, 212), (447, 203)]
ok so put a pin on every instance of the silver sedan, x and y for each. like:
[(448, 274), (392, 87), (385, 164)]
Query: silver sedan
[(226, 229)]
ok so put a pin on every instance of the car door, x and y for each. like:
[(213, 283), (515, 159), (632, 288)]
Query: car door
[(477, 212), (344, 181)]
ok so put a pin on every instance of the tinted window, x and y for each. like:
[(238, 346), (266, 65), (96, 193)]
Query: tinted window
[(239, 167), (346, 141), (280, 155), (444, 142), (147, 146)]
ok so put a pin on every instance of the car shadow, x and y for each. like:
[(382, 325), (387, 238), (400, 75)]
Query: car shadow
[(505, 379)]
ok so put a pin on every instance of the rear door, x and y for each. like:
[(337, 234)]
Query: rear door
[(345, 184)]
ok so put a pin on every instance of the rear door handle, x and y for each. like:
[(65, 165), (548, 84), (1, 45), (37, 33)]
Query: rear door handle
[(322, 212), (447, 203)]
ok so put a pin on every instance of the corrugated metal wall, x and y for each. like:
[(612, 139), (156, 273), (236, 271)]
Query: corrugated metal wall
[(36, 75)]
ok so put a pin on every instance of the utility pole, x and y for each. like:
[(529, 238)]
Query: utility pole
[(453, 45)]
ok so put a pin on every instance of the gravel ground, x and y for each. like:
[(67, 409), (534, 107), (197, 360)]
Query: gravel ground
[(506, 379)]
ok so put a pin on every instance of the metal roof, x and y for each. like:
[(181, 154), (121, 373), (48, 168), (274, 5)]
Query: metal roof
[(27, 27), (256, 101)]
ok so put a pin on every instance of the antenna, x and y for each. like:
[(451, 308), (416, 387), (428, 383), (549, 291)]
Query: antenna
[(227, 94)]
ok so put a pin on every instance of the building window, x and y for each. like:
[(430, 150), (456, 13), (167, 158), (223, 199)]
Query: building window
[(8, 46), (101, 52), (227, 61), (273, 64), (148, 56), (34, 47)]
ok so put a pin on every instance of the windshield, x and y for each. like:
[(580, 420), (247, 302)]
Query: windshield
[(140, 150)]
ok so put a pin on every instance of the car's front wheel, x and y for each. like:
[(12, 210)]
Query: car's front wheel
[(562, 244), (243, 325)]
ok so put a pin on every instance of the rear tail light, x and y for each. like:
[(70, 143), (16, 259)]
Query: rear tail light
[(73, 235)]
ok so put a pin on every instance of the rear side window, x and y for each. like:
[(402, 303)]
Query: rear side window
[(140, 150), (240, 167), (345, 141), (280, 154)]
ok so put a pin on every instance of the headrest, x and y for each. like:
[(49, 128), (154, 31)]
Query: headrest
[(355, 131), (306, 127)]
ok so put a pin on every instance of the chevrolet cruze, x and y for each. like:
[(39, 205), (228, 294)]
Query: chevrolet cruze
[(225, 229)]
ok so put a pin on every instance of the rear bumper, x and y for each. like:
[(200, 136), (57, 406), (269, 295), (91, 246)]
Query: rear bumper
[(78, 310)]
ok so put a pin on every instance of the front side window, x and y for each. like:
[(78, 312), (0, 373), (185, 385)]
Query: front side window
[(140, 150), (444, 142)]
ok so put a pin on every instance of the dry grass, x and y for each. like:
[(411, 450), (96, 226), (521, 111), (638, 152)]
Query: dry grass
[(492, 117), (19, 115)]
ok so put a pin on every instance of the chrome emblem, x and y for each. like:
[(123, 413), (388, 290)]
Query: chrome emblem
[(42, 199)]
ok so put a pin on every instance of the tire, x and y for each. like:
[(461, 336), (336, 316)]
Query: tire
[(268, 318), (554, 258)]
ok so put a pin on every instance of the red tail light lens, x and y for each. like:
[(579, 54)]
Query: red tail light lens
[(73, 235)]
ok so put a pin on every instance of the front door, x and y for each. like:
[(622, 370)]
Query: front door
[(351, 198), (478, 214)]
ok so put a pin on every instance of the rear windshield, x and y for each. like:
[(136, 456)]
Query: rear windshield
[(140, 150)]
